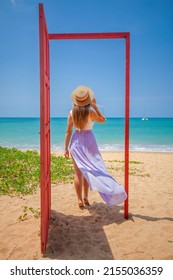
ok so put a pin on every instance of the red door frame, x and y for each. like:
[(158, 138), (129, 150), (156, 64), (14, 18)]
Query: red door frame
[(45, 179), (73, 36)]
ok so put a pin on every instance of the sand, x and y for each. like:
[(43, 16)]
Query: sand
[(98, 232)]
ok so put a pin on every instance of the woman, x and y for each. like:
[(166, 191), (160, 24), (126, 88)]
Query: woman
[(90, 170)]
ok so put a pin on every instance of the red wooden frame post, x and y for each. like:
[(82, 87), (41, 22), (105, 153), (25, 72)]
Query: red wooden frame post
[(127, 113), (45, 180)]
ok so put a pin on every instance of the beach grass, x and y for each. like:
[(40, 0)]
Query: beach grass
[(29, 212), (20, 171), (122, 161), (132, 170)]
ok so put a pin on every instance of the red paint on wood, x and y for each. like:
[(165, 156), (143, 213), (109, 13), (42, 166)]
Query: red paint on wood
[(127, 113), (73, 36), (45, 181)]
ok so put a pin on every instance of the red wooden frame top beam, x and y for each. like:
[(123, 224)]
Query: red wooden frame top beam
[(107, 35)]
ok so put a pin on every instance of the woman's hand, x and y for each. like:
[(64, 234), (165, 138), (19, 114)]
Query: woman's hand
[(93, 103), (66, 154), (98, 117)]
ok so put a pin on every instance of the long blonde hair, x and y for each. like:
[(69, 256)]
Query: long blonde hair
[(80, 116)]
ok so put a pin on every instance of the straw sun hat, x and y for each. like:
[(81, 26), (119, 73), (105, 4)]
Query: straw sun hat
[(82, 96)]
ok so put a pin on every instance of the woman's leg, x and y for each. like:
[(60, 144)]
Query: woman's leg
[(86, 189), (78, 183)]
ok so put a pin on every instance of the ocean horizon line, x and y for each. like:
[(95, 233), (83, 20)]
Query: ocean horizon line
[(108, 117), (156, 134)]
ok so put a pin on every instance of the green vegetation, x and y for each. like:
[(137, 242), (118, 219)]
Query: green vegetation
[(29, 212), (62, 170), (138, 172), (20, 171), (122, 161), (132, 171)]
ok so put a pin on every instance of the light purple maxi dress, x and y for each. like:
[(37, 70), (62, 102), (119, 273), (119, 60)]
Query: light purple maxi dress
[(85, 152)]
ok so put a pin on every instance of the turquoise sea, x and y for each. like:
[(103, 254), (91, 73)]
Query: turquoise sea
[(154, 134)]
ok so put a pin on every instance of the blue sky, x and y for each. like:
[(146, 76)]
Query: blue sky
[(98, 64)]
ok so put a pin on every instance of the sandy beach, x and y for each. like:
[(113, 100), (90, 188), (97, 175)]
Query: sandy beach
[(98, 232)]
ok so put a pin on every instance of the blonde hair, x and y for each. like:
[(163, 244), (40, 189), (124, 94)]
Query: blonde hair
[(80, 116)]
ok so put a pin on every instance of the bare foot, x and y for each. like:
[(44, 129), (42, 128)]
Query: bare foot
[(86, 202), (80, 204)]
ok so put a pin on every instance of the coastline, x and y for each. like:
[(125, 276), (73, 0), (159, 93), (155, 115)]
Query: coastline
[(99, 232), (154, 135)]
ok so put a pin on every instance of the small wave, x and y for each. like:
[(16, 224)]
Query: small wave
[(102, 147), (22, 146), (137, 148)]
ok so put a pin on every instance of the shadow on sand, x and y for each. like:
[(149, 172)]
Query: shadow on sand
[(82, 237)]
